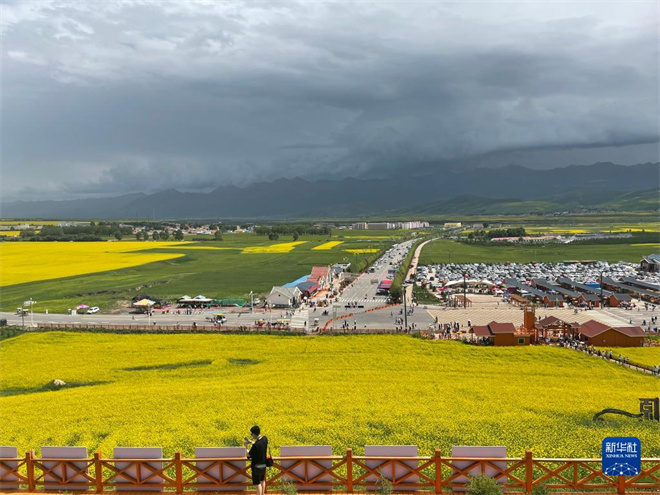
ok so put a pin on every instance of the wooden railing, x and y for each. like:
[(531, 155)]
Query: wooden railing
[(347, 473)]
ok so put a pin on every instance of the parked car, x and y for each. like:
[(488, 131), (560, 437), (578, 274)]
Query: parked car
[(93, 310)]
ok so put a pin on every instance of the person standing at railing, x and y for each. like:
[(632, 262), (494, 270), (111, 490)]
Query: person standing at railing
[(258, 455)]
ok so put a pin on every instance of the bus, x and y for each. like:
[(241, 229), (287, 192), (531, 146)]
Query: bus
[(384, 288)]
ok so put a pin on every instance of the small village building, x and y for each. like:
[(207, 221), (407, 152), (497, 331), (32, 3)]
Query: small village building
[(284, 297), (551, 326), (501, 334), (615, 300), (553, 300), (519, 300), (338, 268), (650, 263), (320, 275), (635, 288), (641, 284), (601, 335), (592, 300), (308, 288)]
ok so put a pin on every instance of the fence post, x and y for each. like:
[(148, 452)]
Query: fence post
[(29, 466), (438, 471), (98, 472), (529, 471), (349, 470), (621, 485), (179, 472)]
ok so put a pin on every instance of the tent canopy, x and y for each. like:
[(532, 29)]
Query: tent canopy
[(145, 302)]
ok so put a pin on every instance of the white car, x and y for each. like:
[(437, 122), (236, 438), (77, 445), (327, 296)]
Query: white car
[(93, 310)]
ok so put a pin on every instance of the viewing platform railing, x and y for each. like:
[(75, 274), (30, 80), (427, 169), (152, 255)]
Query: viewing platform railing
[(346, 473)]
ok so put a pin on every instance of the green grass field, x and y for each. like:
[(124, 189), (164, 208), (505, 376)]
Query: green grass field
[(183, 391), (446, 251), (219, 273)]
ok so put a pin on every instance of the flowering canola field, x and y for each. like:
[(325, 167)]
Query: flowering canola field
[(648, 356), (361, 251), (31, 261), (183, 391), (282, 247), (326, 246)]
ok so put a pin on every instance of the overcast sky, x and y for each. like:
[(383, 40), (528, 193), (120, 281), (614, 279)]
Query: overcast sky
[(116, 96)]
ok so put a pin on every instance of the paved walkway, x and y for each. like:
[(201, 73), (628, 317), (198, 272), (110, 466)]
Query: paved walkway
[(300, 318), (412, 271)]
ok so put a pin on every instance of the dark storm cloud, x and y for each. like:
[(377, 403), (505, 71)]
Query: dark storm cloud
[(105, 98)]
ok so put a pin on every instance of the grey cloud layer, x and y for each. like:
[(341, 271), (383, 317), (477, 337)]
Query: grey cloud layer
[(107, 97)]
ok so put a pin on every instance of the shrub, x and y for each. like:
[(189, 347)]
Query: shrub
[(385, 486), (483, 485), (288, 488), (541, 489)]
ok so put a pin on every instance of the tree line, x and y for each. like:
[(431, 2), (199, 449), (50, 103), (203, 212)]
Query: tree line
[(487, 235), (293, 229), (92, 232)]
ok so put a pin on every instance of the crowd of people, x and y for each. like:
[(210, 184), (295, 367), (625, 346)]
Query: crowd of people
[(608, 354)]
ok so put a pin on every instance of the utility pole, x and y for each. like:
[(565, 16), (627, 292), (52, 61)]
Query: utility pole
[(601, 290), (465, 291), (405, 310)]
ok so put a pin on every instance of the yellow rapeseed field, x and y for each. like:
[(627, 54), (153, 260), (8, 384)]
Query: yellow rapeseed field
[(185, 391), (327, 246), (10, 233), (282, 247), (32, 222), (361, 251), (648, 356), (368, 237), (633, 229), (31, 261), (555, 230), (201, 248)]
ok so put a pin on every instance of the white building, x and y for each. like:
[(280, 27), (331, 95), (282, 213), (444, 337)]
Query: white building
[(284, 297)]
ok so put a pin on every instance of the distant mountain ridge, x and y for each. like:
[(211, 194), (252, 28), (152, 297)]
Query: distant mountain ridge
[(513, 189)]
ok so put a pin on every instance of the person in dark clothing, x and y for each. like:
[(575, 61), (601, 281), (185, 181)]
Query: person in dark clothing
[(258, 449)]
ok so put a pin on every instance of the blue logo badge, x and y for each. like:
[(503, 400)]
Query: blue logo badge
[(622, 456)]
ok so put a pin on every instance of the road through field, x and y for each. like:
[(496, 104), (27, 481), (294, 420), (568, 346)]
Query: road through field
[(363, 289)]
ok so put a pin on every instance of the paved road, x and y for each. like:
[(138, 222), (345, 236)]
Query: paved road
[(363, 289), (243, 317)]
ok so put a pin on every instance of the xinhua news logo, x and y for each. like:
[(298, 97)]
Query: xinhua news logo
[(622, 456)]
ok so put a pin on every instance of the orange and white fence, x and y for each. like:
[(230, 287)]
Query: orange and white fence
[(314, 468)]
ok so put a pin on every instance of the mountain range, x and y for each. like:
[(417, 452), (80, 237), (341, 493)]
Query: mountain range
[(511, 189)]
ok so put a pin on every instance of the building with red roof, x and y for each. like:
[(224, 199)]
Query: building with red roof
[(602, 335), (320, 275), (502, 334)]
